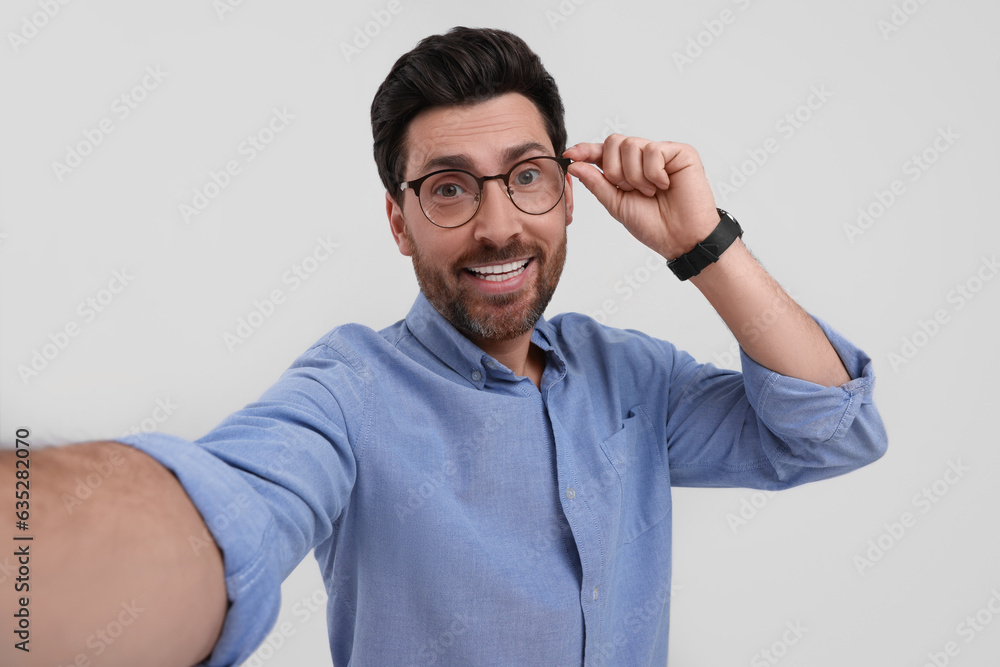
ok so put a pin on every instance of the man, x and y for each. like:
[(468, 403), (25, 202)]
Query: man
[(481, 485)]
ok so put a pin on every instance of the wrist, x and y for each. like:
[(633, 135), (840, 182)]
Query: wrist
[(725, 275), (707, 251)]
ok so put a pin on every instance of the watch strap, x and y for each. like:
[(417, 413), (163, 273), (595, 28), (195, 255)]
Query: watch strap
[(708, 251)]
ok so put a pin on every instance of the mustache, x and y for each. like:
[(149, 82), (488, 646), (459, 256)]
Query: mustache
[(497, 255)]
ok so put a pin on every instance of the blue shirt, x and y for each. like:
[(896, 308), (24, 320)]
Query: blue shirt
[(460, 515)]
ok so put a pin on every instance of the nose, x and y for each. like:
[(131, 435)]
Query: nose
[(497, 221)]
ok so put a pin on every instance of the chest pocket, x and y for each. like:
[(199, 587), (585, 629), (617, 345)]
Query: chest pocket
[(645, 480)]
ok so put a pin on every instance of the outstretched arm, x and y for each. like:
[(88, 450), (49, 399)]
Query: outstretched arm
[(113, 577)]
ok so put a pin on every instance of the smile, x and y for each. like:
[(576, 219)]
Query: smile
[(499, 272)]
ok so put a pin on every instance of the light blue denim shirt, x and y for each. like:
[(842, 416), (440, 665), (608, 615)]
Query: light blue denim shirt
[(460, 515)]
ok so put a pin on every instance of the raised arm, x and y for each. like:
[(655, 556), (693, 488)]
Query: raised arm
[(659, 192), (113, 578)]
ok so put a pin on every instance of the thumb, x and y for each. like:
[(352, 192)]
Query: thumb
[(602, 188)]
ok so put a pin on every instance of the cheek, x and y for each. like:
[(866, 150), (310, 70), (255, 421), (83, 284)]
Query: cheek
[(440, 251), (552, 232)]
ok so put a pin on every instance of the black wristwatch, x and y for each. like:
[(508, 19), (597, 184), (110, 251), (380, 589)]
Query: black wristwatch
[(708, 251)]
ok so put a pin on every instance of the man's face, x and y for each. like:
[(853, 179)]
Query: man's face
[(451, 264)]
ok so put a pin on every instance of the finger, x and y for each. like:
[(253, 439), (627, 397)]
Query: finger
[(633, 152), (679, 157), (601, 187), (586, 152), (654, 165), (612, 166)]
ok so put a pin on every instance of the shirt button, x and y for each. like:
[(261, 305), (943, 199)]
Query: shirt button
[(476, 376), (570, 493), (491, 365), (595, 593)]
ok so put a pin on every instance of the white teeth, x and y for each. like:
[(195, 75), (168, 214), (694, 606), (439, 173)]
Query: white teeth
[(499, 268), (499, 272)]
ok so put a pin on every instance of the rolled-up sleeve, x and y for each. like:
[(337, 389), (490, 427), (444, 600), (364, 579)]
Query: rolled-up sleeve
[(761, 429), (270, 481)]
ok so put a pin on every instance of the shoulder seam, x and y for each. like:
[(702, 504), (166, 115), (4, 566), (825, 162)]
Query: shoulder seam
[(362, 371)]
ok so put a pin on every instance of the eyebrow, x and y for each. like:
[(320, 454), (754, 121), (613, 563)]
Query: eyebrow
[(462, 161)]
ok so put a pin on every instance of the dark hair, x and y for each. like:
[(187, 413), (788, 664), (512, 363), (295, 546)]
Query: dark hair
[(462, 67)]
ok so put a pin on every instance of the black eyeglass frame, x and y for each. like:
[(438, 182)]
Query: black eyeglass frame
[(415, 184)]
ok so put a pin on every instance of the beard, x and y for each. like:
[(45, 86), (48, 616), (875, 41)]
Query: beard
[(493, 317)]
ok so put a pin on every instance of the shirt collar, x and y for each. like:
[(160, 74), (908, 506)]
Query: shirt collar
[(462, 355)]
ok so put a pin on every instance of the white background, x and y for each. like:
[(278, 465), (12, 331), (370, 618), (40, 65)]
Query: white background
[(737, 585)]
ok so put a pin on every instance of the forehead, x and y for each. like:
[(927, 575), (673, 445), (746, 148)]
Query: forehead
[(482, 133)]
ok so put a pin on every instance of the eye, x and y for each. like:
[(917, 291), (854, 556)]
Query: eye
[(449, 190), (527, 176)]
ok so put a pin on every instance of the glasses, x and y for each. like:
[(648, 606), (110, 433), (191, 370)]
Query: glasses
[(451, 197)]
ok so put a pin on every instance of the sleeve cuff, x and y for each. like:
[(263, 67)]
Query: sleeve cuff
[(799, 408), (239, 522)]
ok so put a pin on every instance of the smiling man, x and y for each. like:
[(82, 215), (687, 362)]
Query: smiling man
[(481, 485), (493, 279)]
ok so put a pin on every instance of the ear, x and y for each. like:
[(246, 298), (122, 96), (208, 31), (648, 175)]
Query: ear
[(396, 224), (569, 198)]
